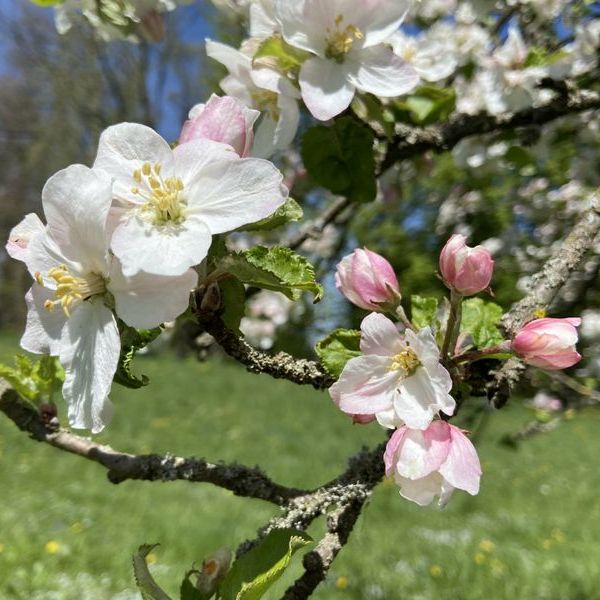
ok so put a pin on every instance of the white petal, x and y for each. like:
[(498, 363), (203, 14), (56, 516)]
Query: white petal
[(230, 194), (126, 147), (146, 301), (21, 234), (76, 203), (301, 23), (379, 336), (43, 329), (418, 400), (377, 19), (379, 71), (43, 254), (325, 88), (163, 249), (89, 353), (191, 158), (422, 491), (366, 386), (389, 419), (264, 137), (236, 62), (423, 452), (425, 346), (462, 468)]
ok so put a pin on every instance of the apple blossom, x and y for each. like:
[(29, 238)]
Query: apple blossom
[(21, 234), (548, 343), (399, 378), (347, 39), (433, 462), (77, 282), (224, 120), (464, 269), (169, 203), (367, 280), (262, 89)]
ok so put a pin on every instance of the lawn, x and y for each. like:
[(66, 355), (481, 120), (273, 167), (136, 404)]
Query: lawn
[(66, 533)]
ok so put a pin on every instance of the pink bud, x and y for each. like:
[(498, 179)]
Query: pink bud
[(362, 419), (432, 462), (224, 120), (367, 280), (467, 270), (548, 343)]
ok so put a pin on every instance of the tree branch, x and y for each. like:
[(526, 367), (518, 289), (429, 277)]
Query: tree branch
[(413, 141), (121, 466), (544, 286), (279, 366)]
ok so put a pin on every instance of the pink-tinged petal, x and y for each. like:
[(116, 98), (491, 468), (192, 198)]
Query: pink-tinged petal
[(89, 352), (379, 336), (76, 203), (43, 329), (366, 386), (230, 194), (145, 301), (21, 234), (462, 468), (423, 452), (421, 491), (126, 147), (161, 250), (454, 247), (381, 72), (362, 419), (391, 450), (554, 362), (325, 88), (424, 344)]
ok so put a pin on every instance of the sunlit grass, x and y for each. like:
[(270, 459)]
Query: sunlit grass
[(66, 533)]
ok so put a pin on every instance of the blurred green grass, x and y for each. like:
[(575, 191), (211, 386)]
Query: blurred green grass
[(66, 533)]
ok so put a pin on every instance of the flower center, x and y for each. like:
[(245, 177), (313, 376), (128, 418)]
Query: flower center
[(71, 290), (340, 41), (406, 361), (163, 198), (266, 101)]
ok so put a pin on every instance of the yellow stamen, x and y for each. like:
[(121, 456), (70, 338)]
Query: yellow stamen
[(340, 41), (406, 360), (71, 290)]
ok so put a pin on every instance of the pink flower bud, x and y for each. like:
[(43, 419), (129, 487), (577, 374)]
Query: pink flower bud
[(224, 120), (367, 280), (548, 343), (432, 462), (467, 270)]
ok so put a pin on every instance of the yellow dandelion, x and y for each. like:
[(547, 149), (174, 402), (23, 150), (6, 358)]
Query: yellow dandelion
[(52, 547), (558, 536), (341, 583), (435, 571), (547, 544), (486, 546), (479, 558)]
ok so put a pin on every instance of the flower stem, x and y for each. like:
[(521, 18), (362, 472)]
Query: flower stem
[(477, 354), (453, 325), (399, 312)]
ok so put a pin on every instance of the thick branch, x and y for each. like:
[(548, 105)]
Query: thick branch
[(279, 366), (414, 141), (545, 285), (241, 480)]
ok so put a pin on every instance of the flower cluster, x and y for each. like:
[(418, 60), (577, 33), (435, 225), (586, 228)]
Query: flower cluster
[(122, 239), (401, 378)]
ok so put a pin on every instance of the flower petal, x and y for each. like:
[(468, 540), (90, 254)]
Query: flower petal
[(381, 72), (462, 468), (161, 250), (89, 352), (423, 452), (21, 234), (126, 147), (146, 300), (191, 158), (229, 194), (325, 88), (379, 336), (76, 203), (421, 491), (391, 449), (301, 23)]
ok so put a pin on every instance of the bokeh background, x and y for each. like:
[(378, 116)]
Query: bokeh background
[(67, 534)]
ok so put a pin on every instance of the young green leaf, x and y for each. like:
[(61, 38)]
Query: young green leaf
[(132, 340), (255, 572), (424, 311), (149, 589), (36, 381), (233, 298), (340, 158), (480, 319), (290, 211), (275, 52), (337, 349)]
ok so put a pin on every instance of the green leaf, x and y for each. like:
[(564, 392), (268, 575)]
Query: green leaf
[(424, 311), (233, 297), (429, 104), (337, 349), (340, 158), (255, 572), (480, 319), (132, 340), (289, 212), (278, 269), (34, 380), (276, 52), (46, 3), (541, 57), (518, 156), (149, 589), (188, 591)]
